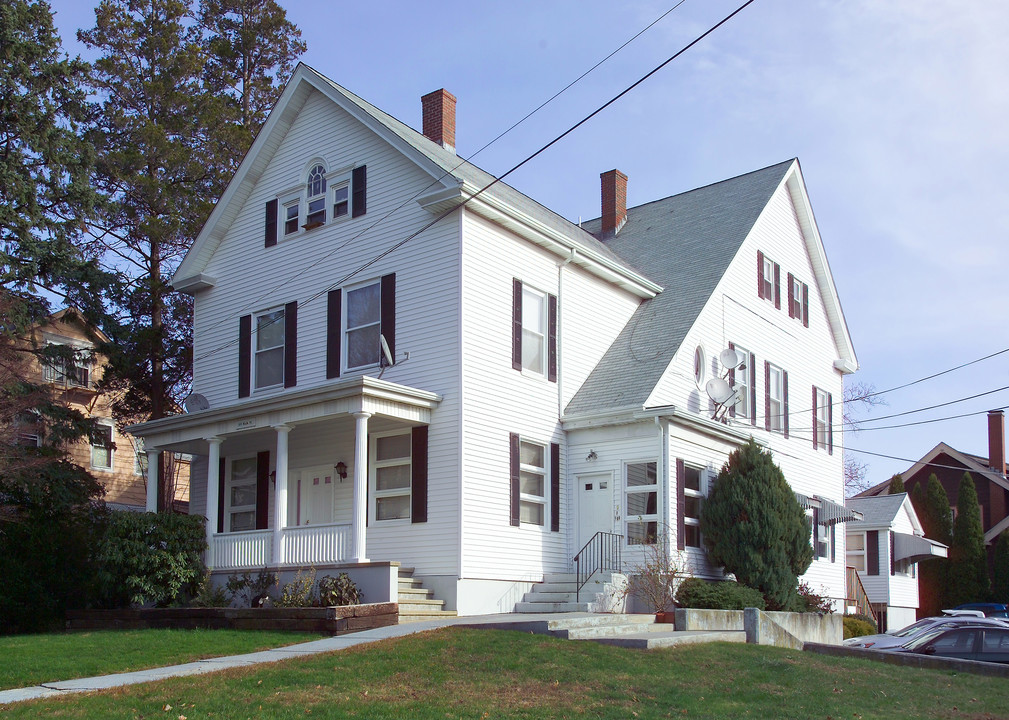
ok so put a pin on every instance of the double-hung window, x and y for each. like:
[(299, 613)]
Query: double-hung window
[(798, 300), (392, 472), (534, 330), (363, 323), (693, 497), (768, 279), (823, 538), (742, 384), (292, 211), (102, 447), (341, 199), (641, 492), (822, 412), (854, 550), (775, 398), (532, 483), (316, 197), (269, 361), (240, 495)]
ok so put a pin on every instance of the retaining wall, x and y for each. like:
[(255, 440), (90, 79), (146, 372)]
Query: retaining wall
[(766, 628)]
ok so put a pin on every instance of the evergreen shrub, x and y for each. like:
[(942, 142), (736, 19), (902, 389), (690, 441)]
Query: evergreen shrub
[(717, 595)]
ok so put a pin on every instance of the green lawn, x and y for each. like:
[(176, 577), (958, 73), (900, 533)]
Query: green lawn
[(462, 673), (27, 660)]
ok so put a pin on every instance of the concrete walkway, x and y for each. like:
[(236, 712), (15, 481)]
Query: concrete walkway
[(525, 621)]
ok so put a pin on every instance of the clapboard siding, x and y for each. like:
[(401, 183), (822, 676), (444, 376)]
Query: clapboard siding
[(302, 267), (498, 400)]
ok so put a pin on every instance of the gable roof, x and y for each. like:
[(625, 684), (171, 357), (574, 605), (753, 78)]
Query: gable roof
[(972, 463), (687, 242), (454, 180), (880, 510)]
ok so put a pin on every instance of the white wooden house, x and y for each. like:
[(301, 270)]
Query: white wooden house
[(547, 380), (884, 548)]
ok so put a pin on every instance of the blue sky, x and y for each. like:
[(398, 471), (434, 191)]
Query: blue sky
[(897, 111)]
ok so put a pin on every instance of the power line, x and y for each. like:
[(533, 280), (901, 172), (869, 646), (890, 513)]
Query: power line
[(496, 180), (913, 462)]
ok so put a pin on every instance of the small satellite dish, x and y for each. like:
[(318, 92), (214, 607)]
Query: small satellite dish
[(718, 390), (731, 358), (195, 402), (388, 359)]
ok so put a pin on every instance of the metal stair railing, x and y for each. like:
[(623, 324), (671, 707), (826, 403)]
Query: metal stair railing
[(600, 554)]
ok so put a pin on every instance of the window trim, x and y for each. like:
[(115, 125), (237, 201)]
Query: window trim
[(701, 494), (821, 425), (542, 337), (256, 387), (646, 518), (857, 552), (544, 473), (373, 467), (769, 280), (229, 483), (700, 366), (742, 387), (340, 180), (345, 328), (287, 200), (312, 178), (775, 420), (111, 447)]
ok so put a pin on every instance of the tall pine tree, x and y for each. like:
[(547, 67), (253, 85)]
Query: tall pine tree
[(937, 524), (968, 563), (1000, 576), (896, 485)]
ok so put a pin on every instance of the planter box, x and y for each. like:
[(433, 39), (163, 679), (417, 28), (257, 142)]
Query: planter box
[(332, 620)]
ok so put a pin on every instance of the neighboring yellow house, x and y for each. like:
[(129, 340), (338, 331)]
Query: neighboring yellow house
[(118, 461)]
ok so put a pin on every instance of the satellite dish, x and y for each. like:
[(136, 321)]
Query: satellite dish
[(195, 402), (731, 358), (718, 390), (387, 357)]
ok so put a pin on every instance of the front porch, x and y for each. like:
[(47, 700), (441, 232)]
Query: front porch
[(301, 547)]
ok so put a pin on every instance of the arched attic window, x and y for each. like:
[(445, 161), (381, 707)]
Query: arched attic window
[(316, 194)]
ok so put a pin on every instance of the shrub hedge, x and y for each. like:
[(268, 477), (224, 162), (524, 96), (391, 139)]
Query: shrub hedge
[(719, 595)]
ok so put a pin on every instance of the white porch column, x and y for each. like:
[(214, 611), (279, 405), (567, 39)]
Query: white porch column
[(213, 482), (280, 506), (359, 523), (153, 461)]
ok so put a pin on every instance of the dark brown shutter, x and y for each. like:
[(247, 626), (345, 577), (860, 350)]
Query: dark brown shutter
[(830, 424), (418, 474), (359, 190), (334, 332), (777, 286), (784, 401), (760, 274), (815, 421), (555, 487), (805, 305), (753, 389), (263, 490), (244, 356), (767, 395), (872, 552), (220, 495), (791, 296), (732, 384), (552, 338), (893, 565), (833, 542), (291, 344), (516, 324), (271, 223), (387, 323), (816, 533), (513, 492), (681, 501)]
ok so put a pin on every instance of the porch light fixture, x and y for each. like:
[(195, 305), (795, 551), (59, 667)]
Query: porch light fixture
[(591, 456), (341, 470)]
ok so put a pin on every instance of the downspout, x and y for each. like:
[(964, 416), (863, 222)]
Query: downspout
[(560, 305)]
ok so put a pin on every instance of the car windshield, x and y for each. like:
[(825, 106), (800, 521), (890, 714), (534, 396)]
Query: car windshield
[(913, 628), (925, 638)]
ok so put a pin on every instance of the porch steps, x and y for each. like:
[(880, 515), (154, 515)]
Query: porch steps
[(558, 594), (417, 603)]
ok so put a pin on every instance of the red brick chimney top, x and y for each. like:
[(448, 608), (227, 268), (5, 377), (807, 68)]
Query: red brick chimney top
[(439, 117), (996, 440), (614, 202)]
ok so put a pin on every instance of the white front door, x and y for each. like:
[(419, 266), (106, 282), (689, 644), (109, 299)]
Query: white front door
[(315, 495), (595, 506)]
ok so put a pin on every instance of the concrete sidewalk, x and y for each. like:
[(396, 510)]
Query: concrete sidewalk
[(338, 642)]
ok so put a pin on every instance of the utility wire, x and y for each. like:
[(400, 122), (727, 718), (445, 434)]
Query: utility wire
[(913, 462), (496, 180)]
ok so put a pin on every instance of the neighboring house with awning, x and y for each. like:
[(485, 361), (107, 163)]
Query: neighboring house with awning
[(885, 548)]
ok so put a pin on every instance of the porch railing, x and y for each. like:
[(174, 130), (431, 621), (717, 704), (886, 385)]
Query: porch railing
[(600, 554), (857, 595), (317, 544), (304, 545)]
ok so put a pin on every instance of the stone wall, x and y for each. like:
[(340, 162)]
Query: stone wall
[(766, 628)]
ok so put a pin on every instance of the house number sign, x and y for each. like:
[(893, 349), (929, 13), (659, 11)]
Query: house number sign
[(245, 424)]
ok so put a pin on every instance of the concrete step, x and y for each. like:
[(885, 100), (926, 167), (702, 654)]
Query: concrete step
[(420, 604), (551, 607), (421, 615), (573, 577), (407, 594), (650, 641), (537, 595), (609, 631)]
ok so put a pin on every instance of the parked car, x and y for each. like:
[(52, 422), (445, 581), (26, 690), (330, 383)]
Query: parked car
[(999, 610), (896, 638), (987, 643)]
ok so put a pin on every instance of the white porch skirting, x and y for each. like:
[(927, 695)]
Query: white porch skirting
[(305, 545)]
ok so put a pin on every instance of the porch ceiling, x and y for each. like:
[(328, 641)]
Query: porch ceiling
[(189, 432)]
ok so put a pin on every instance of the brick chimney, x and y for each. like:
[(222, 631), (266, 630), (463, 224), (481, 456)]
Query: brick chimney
[(614, 205), (996, 440), (439, 117)]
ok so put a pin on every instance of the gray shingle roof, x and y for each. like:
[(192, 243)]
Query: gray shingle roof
[(685, 242), (878, 510)]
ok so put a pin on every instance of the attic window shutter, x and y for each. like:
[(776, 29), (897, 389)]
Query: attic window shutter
[(555, 487), (791, 296), (784, 401), (516, 324), (805, 305), (872, 552), (387, 321), (777, 286), (291, 344), (815, 429), (220, 496), (513, 464), (244, 356), (271, 223), (334, 318), (767, 396), (359, 190), (263, 490), (830, 424), (732, 384), (418, 474), (753, 389), (552, 338), (760, 274), (681, 501)]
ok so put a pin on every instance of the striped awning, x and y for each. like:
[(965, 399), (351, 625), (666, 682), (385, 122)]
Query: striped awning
[(806, 502), (832, 513), (915, 548)]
